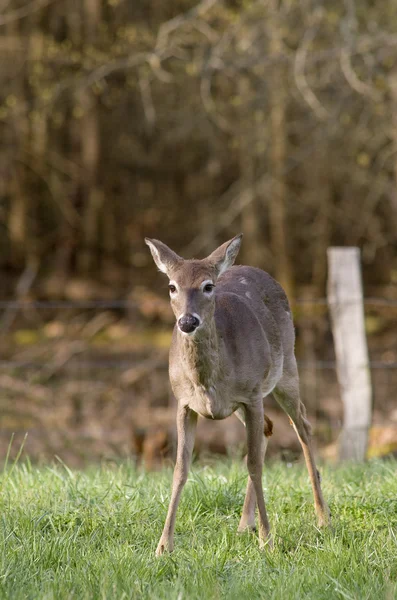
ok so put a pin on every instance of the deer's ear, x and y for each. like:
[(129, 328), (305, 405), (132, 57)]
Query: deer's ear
[(165, 258), (224, 256)]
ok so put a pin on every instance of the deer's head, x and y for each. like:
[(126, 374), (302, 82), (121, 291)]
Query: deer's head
[(192, 282)]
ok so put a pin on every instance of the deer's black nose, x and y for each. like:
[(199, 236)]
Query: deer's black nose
[(188, 323)]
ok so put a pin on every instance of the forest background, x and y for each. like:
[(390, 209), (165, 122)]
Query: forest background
[(188, 122)]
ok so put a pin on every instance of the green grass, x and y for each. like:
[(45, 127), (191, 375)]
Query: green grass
[(93, 534)]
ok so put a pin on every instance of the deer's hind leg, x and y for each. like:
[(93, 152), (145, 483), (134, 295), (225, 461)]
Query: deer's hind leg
[(288, 397), (247, 520)]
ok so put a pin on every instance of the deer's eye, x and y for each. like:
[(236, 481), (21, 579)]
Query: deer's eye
[(172, 288), (208, 288)]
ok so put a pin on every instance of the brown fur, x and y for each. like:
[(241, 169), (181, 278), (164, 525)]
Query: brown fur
[(268, 428), (242, 351)]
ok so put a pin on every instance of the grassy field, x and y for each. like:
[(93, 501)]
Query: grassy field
[(93, 534)]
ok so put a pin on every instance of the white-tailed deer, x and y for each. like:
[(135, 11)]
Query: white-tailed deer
[(233, 344)]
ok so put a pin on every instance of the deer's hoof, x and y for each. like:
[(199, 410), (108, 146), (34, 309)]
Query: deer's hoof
[(324, 518), (164, 547), (324, 522), (246, 527), (267, 543)]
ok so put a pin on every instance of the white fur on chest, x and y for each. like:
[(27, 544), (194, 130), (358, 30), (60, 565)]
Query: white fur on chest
[(208, 403)]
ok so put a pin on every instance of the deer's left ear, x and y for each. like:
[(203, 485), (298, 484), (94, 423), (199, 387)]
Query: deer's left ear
[(223, 257), (165, 258)]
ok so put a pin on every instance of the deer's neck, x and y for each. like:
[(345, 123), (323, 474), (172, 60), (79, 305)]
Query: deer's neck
[(201, 356)]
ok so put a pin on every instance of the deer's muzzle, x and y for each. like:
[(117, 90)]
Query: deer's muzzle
[(188, 323)]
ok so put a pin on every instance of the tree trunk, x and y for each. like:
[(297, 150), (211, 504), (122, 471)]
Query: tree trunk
[(278, 152), (17, 219), (18, 212), (251, 214), (393, 94), (90, 151), (320, 186)]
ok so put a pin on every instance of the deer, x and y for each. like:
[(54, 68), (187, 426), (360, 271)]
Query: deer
[(232, 346)]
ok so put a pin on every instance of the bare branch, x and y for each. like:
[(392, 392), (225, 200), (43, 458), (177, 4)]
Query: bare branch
[(119, 64), (31, 390), (210, 33), (155, 64), (147, 100), (299, 72), (169, 26), (24, 11), (355, 83), (349, 30), (4, 4), (191, 16), (215, 62), (23, 286), (65, 206)]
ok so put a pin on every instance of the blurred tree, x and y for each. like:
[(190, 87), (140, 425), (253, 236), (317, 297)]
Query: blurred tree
[(190, 121)]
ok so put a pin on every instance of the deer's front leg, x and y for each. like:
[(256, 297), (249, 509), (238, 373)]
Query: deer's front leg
[(254, 420), (186, 429)]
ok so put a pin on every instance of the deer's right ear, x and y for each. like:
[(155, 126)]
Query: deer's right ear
[(165, 258)]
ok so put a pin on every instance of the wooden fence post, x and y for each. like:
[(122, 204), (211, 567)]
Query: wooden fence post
[(345, 300)]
